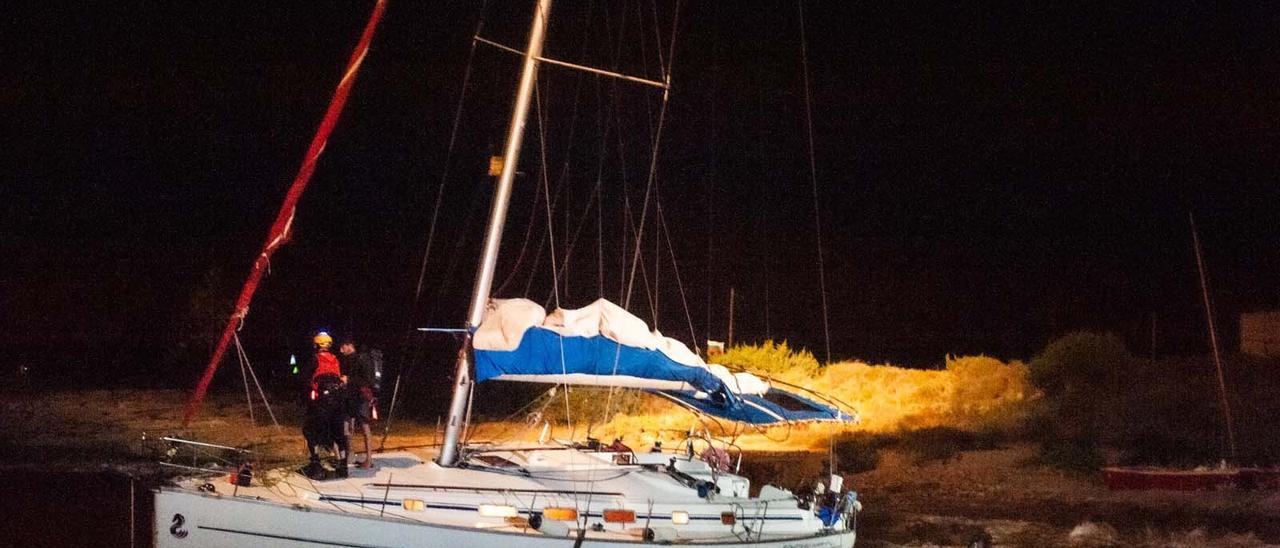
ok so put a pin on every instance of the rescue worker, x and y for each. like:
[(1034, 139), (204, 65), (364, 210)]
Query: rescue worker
[(363, 378), (326, 411)]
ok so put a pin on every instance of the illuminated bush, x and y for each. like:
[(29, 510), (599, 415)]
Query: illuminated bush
[(988, 393), (973, 392), (1083, 392), (770, 359), (977, 394)]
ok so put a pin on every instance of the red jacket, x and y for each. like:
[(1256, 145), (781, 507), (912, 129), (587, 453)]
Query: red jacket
[(326, 364)]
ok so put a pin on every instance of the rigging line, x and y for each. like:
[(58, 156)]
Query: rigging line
[(653, 167), (604, 117), (644, 269), (524, 244), (533, 269), (657, 260), (624, 217), (466, 423), (1213, 339), (572, 244), (710, 182), (552, 206), (529, 225), (644, 59), (547, 398), (453, 139), (407, 365), (657, 33), (813, 179), (666, 231), (575, 66), (542, 170), (245, 377), (551, 236), (617, 117), (542, 243), (602, 129), (459, 243), (648, 196), (254, 376), (561, 182), (653, 304)]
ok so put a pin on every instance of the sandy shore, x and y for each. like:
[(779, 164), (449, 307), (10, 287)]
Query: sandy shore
[(997, 493)]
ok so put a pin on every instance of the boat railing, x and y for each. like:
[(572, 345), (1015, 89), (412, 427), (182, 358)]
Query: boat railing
[(828, 399), (758, 520), (731, 449), (195, 457), (498, 490)]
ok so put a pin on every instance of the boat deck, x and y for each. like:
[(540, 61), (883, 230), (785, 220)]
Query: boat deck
[(534, 490)]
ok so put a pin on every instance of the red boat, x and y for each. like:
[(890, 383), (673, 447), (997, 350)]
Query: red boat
[(1149, 477)]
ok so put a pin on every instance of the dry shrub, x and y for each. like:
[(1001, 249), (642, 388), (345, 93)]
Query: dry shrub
[(989, 393), (973, 393), (771, 359)]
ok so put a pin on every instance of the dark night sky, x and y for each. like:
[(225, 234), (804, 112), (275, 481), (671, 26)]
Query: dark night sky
[(989, 175)]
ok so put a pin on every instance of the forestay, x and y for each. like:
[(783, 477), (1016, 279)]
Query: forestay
[(604, 345)]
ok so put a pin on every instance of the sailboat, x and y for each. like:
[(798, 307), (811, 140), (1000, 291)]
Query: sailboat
[(550, 493)]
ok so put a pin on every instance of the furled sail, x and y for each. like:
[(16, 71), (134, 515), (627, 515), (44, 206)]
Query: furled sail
[(604, 345)]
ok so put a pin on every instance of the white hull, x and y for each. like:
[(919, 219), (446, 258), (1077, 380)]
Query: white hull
[(298, 512), (213, 522)]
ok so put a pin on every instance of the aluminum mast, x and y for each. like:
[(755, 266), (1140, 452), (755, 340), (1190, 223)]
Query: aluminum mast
[(493, 238)]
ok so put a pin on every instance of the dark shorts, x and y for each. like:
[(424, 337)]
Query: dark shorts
[(366, 411)]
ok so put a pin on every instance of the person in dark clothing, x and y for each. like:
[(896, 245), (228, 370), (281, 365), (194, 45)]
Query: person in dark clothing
[(364, 376), (325, 421)]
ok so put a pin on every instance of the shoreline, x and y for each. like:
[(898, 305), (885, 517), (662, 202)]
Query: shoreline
[(997, 492)]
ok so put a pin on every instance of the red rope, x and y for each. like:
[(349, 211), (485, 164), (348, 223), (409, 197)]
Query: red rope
[(280, 230)]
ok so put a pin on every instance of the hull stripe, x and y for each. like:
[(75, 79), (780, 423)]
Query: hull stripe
[(437, 506)]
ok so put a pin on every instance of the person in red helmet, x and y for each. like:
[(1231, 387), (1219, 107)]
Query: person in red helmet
[(324, 426), (326, 362)]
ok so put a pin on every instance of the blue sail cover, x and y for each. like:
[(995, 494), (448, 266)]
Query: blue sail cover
[(543, 352), (603, 345)]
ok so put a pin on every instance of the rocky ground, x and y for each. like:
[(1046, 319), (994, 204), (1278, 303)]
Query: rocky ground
[(997, 494)]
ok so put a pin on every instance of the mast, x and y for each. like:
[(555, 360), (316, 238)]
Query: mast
[(282, 228), (1213, 340), (493, 238)]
